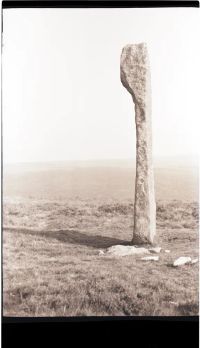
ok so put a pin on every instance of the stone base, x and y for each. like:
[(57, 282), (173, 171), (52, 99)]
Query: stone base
[(141, 242)]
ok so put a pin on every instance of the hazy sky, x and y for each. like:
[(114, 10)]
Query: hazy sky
[(62, 95)]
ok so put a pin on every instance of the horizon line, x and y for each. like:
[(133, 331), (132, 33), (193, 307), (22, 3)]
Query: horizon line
[(156, 158)]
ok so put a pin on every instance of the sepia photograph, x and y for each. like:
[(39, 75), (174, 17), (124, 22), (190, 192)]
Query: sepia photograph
[(100, 127)]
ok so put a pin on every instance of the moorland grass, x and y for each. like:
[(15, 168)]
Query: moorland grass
[(52, 266)]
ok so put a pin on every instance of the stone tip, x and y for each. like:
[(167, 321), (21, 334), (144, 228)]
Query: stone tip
[(138, 52), (134, 70), (137, 45), (137, 48)]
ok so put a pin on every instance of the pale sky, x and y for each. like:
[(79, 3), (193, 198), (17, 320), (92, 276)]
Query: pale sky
[(62, 95)]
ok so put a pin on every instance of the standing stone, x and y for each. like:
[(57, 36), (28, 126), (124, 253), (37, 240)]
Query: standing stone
[(135, 77)]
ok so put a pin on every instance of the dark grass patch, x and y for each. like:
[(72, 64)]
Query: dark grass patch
[(186, 309)]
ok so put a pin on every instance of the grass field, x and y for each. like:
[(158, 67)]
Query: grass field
[(53, 234)]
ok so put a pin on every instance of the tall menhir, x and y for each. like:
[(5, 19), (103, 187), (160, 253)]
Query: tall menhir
[(135, 77)]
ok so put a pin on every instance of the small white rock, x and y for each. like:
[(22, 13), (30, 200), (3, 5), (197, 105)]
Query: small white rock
[(182, 261), (150, 258), (124, 250), (155, 250), (101, 252), (174, 303), (167, 251), (194, 261)]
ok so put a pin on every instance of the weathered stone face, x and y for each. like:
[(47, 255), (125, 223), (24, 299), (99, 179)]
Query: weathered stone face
[(134, 69), (135, 77)]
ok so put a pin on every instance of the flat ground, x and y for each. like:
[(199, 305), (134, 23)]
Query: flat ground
[(51, 261)]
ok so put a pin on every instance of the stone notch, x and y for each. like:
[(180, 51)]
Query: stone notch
[(135, 77)]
